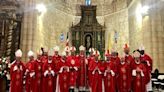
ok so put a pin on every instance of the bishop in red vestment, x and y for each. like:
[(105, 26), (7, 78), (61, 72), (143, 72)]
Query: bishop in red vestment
[(124, 76), (128, 58), (30, 73), (129, 62), (56, 57), (90, 60), (139, 74), (96, 69), (44, 56), (147, 61), (116, 60), (49, 85), (83, 69), (67, 50), (109, 74), (73, 64), (38, 73), (17, 71), (63, 74)]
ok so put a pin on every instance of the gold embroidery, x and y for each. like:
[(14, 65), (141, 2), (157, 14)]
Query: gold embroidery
[(17, 82), (138, 83), (123, 70), (49, 83), (65, 77), (49, 68), (39, 68), (38, 81), (17, 76), (65, 85), (124, 77), (124, 84), (108, 77), (72, 62), (108, 84)]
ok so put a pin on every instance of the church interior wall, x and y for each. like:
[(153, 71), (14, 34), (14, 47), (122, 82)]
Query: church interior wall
[(117, 22), (117, 16), (147, 29)]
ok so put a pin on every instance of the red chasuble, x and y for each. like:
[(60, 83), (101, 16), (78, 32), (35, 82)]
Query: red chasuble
[(38, 76), (109, 77), (148, 64), (30, 78), (96, 69), (16, 73), (90, 60), (73, 64), (139, 79), (82, 72), (48, 85), (124, 77), (63, 76)]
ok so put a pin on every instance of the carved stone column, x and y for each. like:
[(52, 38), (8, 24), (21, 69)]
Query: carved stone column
[(28, 27)]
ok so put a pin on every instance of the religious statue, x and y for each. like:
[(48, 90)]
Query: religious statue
[(88, 42)]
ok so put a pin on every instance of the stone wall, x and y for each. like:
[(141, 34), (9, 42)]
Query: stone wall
[(148, 29), (135, 25), (157, 25), (44, 30), (118, 22), (55, 22)]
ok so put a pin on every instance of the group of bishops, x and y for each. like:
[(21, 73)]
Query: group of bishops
[(50, 72)]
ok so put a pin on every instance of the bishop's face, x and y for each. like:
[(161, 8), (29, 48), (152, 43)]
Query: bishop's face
[(38, 56), (45, 53), (114, 55), (49, 57), (81, 52), (122, 59), (56, 52), (72, 53), (137, 60), (31, 58), (67, 53), (96, 58), (126, 51), (108, 58), (18, 59), (91, 53)]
